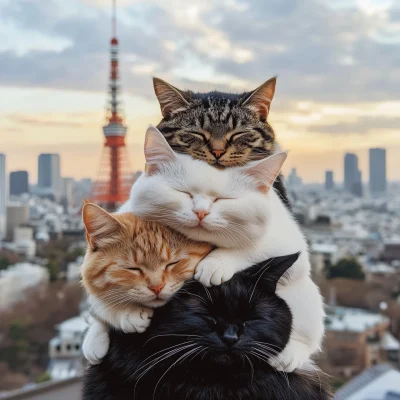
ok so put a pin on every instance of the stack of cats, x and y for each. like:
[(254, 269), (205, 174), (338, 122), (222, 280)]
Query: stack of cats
[(210, 344), (235, 209)]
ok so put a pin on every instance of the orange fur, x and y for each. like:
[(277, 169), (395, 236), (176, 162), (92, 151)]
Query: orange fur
[(121, 241)]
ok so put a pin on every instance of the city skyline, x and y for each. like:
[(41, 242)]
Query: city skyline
[(56, 70), (366, 179)]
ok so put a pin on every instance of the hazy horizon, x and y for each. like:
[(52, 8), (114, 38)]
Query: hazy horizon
[(337, 91)]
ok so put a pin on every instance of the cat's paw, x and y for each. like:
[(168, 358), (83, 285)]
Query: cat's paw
[(211, 271), (95, 346), (292, 357), (135, 321)]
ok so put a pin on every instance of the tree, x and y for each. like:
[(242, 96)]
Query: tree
[(346, 268), (43, 377), (52, 267)]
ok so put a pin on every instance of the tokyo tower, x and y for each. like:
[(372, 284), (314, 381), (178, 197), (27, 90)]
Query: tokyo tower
[(115, 178)]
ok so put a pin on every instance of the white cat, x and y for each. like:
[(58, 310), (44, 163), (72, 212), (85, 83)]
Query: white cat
[(237, 210)]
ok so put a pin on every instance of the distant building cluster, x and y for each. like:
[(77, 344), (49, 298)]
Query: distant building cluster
[(352, 176)]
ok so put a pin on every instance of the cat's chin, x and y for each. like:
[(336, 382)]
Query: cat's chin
[(156, 303), (225, 358)]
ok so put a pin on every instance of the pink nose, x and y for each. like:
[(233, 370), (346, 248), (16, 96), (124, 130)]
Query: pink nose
[(218, 153), (201, 214), (157, 288)]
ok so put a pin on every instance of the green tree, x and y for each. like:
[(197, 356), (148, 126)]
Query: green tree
[(4, 263), (52, 267), (346, 268), (43, 377)]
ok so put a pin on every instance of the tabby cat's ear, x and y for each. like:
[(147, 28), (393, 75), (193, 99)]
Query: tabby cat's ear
[(259, 100), (156, 150), (170, 98), (266, 171), (101, 227)]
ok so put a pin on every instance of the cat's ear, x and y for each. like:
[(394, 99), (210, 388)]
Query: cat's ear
[(156, 150), (170, 98), (101, 227), (266, 171), (259, 100), (267, 274)]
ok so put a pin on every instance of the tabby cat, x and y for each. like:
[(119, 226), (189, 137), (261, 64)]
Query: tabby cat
[(131, 266), (222, 129)]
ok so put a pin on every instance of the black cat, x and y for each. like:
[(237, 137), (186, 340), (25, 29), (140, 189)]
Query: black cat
[(209, 344)]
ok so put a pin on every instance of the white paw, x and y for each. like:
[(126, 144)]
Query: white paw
[(136, 321), (292, 357), (95, 346), (212, 271)]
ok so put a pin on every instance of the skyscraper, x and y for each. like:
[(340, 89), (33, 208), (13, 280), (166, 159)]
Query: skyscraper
[(19, 183), (49, 179), (3, 194), (352, 175), (329, 184), (293, 179), (377, 170)]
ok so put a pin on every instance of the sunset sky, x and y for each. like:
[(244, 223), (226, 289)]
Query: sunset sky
[(338, 67)]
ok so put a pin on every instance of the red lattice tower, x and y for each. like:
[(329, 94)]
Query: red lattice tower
[(115, 177)]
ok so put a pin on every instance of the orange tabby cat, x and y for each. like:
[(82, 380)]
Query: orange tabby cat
[(130, 267)]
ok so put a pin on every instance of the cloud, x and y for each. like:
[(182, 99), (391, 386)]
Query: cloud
[(48, 121), (362, 125), (339, 53)]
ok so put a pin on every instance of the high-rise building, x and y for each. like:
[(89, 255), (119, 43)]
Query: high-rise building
[(49, 178), (67, 191), (293, 179), (352, 175), (17, 215), (19, 183), (377, 170), (3, 194), (329, 183)]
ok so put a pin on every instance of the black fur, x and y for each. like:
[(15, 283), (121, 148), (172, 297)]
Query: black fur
[(224, 362)]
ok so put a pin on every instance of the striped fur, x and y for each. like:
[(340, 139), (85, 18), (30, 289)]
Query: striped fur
[(235, 125), (120, 242)]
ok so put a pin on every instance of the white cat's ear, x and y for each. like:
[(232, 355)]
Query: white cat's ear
[(101, 227), (171, 99), (266, 171), (156, 150), (259, 100)]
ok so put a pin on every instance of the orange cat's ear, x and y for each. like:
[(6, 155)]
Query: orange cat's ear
[(156, 150), (260, 99), (170, 98), (101, 227), (266, 171)]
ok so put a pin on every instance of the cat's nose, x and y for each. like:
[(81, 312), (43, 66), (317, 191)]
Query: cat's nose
[(201, 214), (157, 288), (230, 335), (218, 153)]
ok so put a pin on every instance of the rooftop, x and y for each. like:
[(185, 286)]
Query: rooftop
[(352, 319), (375, 383)]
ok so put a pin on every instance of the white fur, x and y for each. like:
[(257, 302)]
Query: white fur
[(246, 224), (135, 318)]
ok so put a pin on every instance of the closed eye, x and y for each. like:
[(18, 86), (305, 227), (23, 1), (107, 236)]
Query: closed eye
[(199, 135), (189, 194), (237, 135), (170, 265), (135, 269), (223, 198)]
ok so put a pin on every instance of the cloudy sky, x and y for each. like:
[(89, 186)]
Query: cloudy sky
[(338, 67)]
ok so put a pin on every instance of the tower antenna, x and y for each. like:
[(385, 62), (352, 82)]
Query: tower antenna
[(115, 177), (114, 18)]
